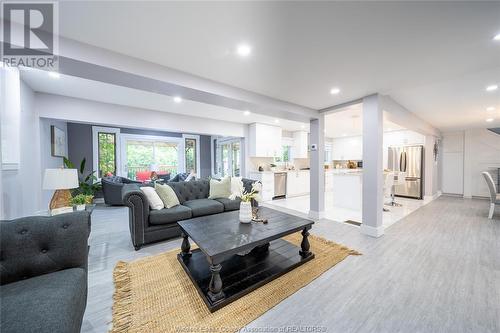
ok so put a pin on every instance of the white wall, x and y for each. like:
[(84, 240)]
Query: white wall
[(21, 188), (481, 153), (80, 110)]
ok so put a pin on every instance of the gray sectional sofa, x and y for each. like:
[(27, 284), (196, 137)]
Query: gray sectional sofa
[(148, 226), (43, 273)]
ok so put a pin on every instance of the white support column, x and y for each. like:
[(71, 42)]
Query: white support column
[(317, 157), (372, 166)]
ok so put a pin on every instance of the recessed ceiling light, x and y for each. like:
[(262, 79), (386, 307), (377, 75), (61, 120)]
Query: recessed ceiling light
[(493, 87), (334, 91), (177, 99), (490, 120), (246, 113), (302, 126), (490, 108), (243, 50), (497, 37), (54, 75), (344, 134), (276, 121)]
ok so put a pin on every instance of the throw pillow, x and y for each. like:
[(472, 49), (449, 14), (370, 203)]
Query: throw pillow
[(220, 188), (154, 200), (167, 195), (236, 184), (191, 176)]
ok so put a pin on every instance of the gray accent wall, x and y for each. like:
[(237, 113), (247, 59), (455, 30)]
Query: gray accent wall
[(80, 145)]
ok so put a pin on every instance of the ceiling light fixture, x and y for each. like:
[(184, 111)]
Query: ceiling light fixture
[(243, 50), (302, 126), (497, 37), (276, 121), (246, 113), (490, 108), (334, 91), (490, 120), (54, 75), (177, 99), (493, 87)]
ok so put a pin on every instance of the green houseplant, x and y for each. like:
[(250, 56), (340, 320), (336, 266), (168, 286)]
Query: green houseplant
[(88, 183), (81, 200)]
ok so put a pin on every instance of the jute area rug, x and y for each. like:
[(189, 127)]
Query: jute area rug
[(154, 294)]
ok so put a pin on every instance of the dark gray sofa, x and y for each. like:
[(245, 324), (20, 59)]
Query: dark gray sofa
[(148, 226), (43, 273), (112, 189)]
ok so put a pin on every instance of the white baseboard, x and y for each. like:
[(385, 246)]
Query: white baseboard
[(316, 215), (433, 197), (372, 231)]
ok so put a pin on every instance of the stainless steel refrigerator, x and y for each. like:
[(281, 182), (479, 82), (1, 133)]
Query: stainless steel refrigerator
[(408, 159)]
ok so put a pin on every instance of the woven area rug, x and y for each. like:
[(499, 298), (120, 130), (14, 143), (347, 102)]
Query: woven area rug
[(154, 294)]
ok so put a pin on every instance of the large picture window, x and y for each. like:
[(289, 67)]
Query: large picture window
[(144, 154), (190, 154), (227, 157)]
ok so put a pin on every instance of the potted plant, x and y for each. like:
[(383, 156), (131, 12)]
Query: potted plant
[(246, 200), (272, 166), (81, 200), (88, 182)]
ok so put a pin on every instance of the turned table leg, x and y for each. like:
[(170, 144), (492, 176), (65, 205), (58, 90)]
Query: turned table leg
[(185, 246), (304, 245), (215, 287)]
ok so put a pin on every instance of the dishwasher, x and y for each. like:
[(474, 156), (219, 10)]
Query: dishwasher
[(279, 185)]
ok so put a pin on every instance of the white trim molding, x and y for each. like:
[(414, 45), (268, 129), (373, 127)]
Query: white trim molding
[(316, 215), (372, 231)]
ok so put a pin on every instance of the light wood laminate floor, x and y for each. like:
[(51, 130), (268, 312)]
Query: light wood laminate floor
[(437, 270)]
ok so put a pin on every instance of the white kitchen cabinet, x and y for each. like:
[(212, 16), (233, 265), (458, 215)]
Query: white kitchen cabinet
[(299, 147), (264, 140), (297, 183), (350, 148), (328, 181), (267, 180)]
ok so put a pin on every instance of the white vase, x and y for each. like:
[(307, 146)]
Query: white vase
[(80, 207), (245, 212)]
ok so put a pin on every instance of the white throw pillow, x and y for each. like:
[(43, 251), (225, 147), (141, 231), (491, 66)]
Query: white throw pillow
[(154, 199), (190, 176), (235, 185)]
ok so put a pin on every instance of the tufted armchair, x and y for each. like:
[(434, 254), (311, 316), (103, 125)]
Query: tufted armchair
[(112, 189), (148, 226), (43, 273)]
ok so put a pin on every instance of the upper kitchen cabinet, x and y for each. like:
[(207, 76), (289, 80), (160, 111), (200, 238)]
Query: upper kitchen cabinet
[(350, 148), (299, 147), (264, 140)]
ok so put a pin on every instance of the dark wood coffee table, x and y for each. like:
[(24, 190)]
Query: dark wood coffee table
[(219, 273)]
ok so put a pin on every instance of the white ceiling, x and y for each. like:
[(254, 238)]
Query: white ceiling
[(77, 87), (348, 121), (435, 58)]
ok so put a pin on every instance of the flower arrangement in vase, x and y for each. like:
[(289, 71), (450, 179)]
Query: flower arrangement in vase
[(246, 200)]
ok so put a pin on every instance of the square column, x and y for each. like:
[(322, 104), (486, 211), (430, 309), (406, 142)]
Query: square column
[(373, 179), (317, 172)]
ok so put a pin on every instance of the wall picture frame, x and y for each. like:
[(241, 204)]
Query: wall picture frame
[(57, 141)]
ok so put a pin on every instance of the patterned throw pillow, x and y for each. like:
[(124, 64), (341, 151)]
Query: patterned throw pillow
[(167, 195), (220, 188)]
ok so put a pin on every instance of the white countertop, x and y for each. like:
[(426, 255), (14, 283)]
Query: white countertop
[(279, 171)]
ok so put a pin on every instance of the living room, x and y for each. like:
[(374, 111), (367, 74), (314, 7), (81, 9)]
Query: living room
[(194, 170)]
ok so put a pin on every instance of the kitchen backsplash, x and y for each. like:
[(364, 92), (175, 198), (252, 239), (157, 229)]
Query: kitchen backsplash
[(255, 162)]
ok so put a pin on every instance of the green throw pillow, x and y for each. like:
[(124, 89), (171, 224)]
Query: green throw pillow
[(220, 188), (167, 195)]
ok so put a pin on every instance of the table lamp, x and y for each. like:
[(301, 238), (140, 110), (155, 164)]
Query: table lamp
[(60, 180)]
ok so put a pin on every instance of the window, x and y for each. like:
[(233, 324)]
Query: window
[(106, 154), (190, 155), (106, 147), (142, 154), (227, 161), (285, 154)]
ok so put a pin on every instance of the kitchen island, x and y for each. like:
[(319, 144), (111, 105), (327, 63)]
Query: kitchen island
[(347, 188)]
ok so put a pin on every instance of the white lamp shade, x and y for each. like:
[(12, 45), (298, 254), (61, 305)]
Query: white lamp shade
[(60, 179)]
